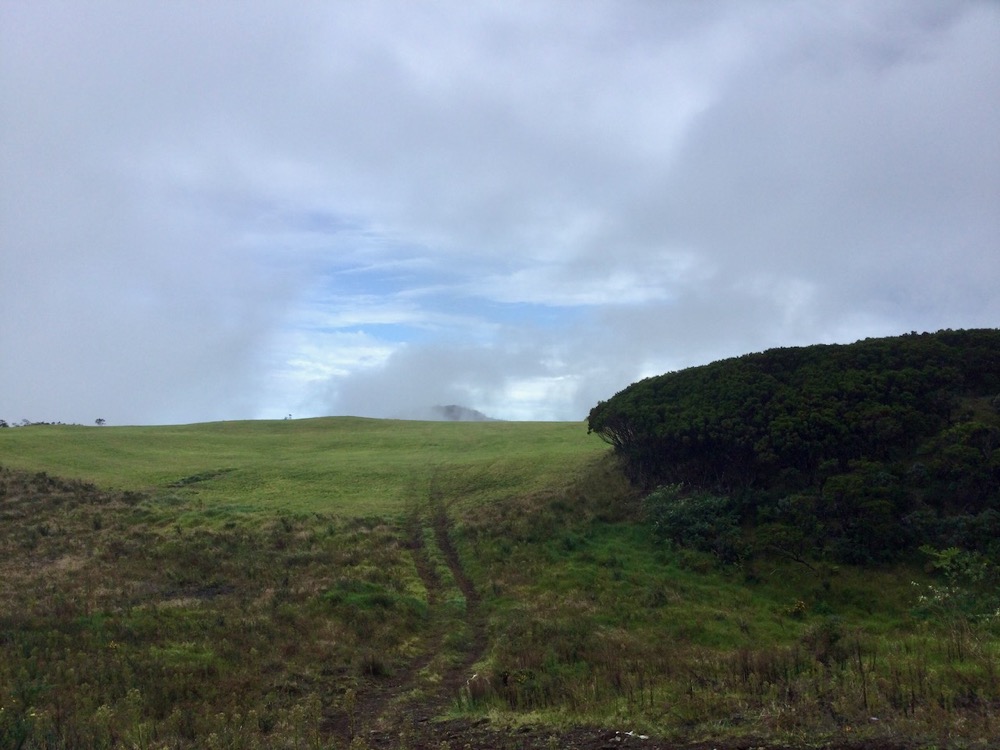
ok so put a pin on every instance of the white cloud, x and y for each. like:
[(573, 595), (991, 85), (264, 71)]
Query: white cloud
[(369, 208)]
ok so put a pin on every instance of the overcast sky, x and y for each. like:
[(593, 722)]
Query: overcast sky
[(228, 210)]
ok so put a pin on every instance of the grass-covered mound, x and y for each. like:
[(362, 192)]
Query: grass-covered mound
[(344, 465), (861, 452)]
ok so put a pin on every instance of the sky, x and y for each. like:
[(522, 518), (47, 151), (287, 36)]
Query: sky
[(249, 210)]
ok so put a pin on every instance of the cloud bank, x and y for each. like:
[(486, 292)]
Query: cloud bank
[(218, 213)]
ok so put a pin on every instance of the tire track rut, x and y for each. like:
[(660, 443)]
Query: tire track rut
[(383, 709), (456, 677)]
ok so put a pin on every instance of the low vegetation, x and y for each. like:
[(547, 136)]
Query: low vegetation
[(347, 466)]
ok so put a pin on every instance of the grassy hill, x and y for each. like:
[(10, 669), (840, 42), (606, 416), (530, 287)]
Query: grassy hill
[(365, 583), (347, 466)]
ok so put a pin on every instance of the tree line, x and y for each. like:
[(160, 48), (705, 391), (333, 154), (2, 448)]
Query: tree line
[(858, 451), (100, 422)]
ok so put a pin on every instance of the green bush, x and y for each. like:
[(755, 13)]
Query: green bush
[(701, 521)]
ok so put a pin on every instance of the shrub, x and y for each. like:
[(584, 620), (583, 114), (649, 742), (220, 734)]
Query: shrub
[(701, 521)]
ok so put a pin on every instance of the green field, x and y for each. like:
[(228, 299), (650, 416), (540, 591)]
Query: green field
[(347, 466), (335, 583)]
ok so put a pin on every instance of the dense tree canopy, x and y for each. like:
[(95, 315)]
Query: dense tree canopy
[(885, 442)]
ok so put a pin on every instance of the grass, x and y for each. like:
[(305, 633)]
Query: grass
[(350, 466), (270, 584), (603, 626)]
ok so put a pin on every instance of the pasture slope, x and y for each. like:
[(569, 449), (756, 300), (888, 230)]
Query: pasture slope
[(339, 583)]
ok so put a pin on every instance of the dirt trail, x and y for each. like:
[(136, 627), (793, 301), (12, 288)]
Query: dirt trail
[(475, 623), (403, 704)]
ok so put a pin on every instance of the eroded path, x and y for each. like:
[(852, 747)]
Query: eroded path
[(394, 710), (475, 625)]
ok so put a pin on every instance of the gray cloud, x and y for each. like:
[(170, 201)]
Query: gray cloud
[(374, 208)]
